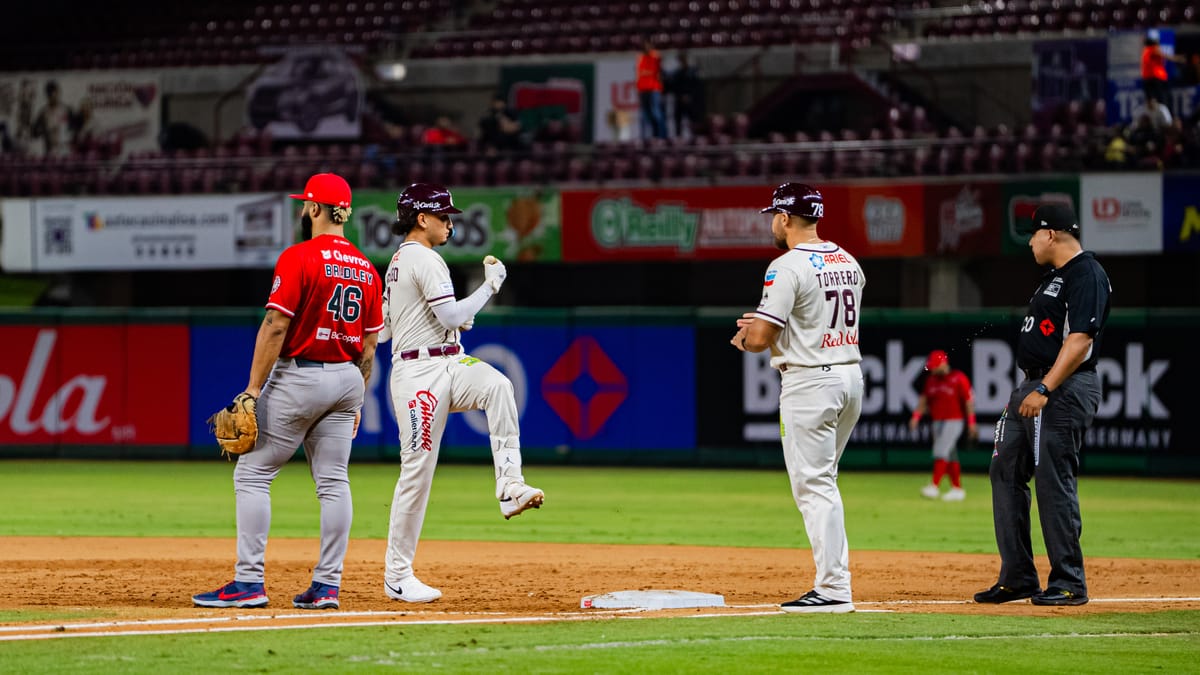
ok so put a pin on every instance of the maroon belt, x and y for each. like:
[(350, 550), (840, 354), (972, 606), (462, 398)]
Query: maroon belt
[(444, 350)]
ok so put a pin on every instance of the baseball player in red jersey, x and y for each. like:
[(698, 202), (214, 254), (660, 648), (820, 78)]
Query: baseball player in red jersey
[(808, 318), (312, 357), (432, 377), (948, 398)]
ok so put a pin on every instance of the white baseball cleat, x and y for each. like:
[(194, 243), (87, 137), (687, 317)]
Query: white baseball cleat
[(411, 589), (518, 498), (930, 491), (955, 495)]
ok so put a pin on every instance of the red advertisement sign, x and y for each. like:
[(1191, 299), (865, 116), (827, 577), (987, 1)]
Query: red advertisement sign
[(710, 223), (963, 218), (94, 385), (885, 220)]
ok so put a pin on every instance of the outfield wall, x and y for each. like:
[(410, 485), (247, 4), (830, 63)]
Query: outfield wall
[(634, 386)]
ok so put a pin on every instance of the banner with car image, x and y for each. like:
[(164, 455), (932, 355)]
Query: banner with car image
[(310, 93), (515, 224)]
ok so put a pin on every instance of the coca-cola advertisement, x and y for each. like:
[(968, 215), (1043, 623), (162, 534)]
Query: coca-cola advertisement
[(94, 385)]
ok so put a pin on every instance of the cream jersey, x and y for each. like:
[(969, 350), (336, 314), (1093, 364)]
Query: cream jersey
[(813, 293), (417, 280)]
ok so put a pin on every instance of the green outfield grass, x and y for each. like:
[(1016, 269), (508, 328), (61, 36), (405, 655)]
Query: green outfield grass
[(1122, 518)]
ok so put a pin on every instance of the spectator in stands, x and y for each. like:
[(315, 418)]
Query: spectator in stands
[(650, 88), (443, 134), (53, 123), (1116, 154), (1154, 69), (499, 127), (687, 90)]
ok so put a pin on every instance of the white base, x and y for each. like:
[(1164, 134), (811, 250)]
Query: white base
[(654, 599)]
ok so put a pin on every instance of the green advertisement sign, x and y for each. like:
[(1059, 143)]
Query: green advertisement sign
[(560, 91), (515, 224), (1020, 199)]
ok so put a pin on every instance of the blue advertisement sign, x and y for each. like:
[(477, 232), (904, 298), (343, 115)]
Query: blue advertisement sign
[(1181, 214), (577, 388)]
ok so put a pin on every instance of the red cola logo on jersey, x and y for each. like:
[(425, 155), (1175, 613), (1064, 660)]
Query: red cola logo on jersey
[(420, 419)]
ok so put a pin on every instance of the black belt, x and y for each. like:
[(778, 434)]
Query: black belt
[(308, 363), (443, 350), (1035, 373)]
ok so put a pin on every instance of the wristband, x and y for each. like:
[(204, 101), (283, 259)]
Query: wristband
[(971, 419), (1042, 389), (916, 415)]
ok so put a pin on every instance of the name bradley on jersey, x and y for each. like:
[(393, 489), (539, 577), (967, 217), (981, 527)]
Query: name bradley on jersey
[(339, 272)]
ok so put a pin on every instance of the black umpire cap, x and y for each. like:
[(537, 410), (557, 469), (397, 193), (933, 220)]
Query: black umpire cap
[(1056, 217), (797, 199)]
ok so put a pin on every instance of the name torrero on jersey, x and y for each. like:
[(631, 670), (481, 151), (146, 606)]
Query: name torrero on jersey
[(837, 278)]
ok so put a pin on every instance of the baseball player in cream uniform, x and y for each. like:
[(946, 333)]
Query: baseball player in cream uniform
[(808, 318), (432, 377)]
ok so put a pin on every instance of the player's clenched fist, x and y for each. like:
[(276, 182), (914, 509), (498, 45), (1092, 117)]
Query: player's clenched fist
[(494, 272)]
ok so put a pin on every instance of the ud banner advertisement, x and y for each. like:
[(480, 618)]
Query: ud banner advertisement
[(310, 93), (94, 385), (1181, 214), (1121, 212), (163, 233), (963, 218), (1145, 384), (57, 114), (515, 224), (713, 223)]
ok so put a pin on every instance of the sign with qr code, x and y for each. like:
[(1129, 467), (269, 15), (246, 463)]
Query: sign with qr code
[(192, 232)]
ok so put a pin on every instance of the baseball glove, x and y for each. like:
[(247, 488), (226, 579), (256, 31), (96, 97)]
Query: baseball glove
[(236, 425)]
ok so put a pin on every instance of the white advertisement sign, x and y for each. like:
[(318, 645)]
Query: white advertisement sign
[(57, 113), (309, 93), (248, 230), (616, 116), (1121, 212)]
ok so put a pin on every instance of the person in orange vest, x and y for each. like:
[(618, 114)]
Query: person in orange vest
[(650, 89), (1154, 70)]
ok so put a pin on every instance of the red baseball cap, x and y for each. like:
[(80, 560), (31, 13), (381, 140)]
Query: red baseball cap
[(937, 358), (326, 188)]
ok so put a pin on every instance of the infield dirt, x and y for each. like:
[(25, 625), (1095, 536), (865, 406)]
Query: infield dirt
[(154, 578)]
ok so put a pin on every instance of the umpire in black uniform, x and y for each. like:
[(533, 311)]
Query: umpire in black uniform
[(1057, 350)]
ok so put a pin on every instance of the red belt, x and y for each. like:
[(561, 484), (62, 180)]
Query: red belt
[(444, 350)]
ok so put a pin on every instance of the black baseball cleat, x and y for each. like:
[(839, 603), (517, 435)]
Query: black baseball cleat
[(813, 603), (998, 594), (1058, 596)]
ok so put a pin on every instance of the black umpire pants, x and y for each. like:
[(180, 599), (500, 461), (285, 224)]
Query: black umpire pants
[(1046, 448)]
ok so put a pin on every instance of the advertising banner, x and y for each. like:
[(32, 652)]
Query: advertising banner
[(310, 93), (192, 232), (1125, 98), (963, 218), (562, 91), (617, 116), (576, 388), (1181, 214), (715, 223), (94, 385), (1022, 197), (884, 220), (515, 224), (1145, 384), (60, 113), (1121, 212)]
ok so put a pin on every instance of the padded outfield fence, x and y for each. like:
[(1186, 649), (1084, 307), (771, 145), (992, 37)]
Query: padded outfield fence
[(618, 386)]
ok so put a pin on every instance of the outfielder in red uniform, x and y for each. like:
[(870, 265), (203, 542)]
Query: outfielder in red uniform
[(317, 345), (948, 399)]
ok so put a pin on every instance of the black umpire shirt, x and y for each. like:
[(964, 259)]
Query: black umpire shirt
[(1070, 299)]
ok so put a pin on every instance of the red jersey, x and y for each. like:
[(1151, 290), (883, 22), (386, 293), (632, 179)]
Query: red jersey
[(1154, 64), (649, 72), (333, 296), (947, 395)]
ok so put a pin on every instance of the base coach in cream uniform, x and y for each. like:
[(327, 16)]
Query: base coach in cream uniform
[(808, 318)]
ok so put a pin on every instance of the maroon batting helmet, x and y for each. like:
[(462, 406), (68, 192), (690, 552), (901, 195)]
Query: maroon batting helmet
[(797, 199), (426, 198)]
